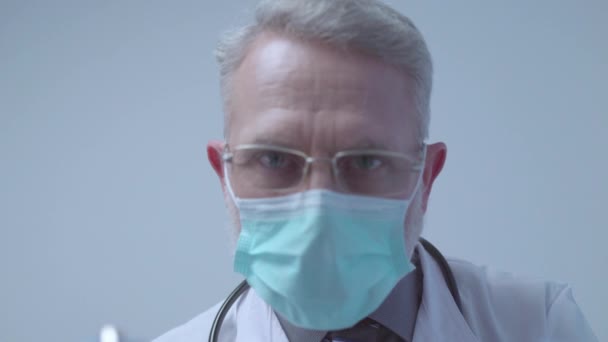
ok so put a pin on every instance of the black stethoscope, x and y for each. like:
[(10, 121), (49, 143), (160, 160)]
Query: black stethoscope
[(242, 287)]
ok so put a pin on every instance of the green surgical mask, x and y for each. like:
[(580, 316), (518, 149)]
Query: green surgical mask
[(322, 260)]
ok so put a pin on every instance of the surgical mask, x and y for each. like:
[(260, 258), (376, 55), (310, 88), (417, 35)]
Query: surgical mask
[(322, 260)]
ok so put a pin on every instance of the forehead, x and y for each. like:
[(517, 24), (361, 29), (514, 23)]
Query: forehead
[(304, 93)]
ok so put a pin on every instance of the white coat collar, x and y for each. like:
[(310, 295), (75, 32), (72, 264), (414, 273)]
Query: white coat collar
[(438, 316), (257, 321)]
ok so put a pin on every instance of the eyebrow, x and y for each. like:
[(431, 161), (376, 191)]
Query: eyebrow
[(360, 144), (368, 144), (274, 142)]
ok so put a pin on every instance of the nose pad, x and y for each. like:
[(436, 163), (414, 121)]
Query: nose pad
[(320, 176)]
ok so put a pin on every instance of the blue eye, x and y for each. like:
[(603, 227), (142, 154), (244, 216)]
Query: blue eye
[(366, 162), (272, 159)]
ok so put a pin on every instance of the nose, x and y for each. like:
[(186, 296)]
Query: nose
[(320, 176)]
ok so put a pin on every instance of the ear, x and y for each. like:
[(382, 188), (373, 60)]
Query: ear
[(215, 148), (435, 159)]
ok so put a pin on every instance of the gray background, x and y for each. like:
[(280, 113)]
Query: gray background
[(109, 211)]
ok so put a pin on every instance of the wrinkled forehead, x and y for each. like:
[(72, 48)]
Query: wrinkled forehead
[(291, 90)]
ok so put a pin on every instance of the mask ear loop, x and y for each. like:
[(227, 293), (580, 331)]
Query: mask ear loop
[(419, 181), (410, 201), (235, 199)]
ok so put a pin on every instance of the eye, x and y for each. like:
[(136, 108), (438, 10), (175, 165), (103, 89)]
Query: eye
[(273, 159), (366, 162)]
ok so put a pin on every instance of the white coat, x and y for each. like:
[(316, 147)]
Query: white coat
[(496, 307)]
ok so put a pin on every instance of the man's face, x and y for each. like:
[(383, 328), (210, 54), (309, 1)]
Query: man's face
[(320, 101)]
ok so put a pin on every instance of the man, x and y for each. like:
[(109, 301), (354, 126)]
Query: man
[(327, 176)]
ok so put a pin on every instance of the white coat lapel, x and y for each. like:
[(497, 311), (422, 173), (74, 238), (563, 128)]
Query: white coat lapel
[(438, 316), (256, 321)]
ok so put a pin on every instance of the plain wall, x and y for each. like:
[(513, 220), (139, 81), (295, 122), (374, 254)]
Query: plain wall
[(109, 211)]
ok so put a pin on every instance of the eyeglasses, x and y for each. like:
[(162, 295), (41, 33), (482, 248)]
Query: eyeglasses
[(255, 167)]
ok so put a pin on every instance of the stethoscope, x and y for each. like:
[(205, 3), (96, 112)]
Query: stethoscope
[(242, 287)]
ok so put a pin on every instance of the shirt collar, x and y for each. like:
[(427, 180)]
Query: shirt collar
[(398, 312)]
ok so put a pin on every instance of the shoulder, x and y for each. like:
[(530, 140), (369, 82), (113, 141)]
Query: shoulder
[(495, 302), (195, 330), (477, 282)]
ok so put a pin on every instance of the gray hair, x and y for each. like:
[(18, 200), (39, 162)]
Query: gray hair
[(366, 26)]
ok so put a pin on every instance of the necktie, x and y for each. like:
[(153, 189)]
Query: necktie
[(367, 330)]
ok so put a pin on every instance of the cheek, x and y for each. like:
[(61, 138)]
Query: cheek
[(234, 223), (414, 223), (414, 219)]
